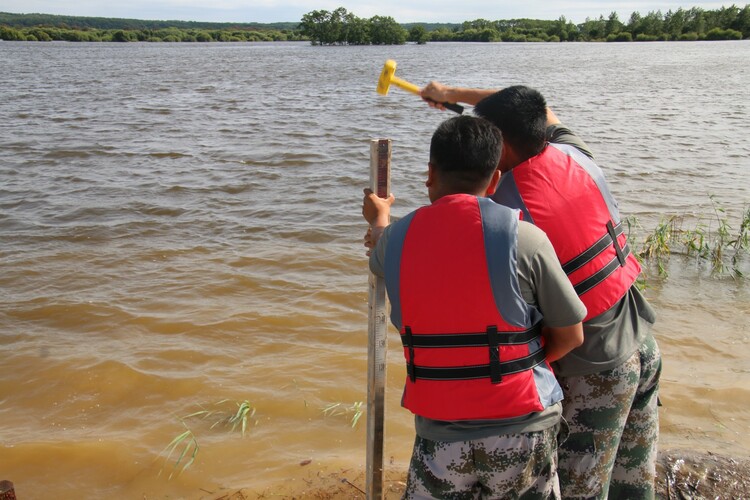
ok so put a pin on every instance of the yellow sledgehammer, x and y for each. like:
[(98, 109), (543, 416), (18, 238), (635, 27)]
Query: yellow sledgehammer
[(388, 77)]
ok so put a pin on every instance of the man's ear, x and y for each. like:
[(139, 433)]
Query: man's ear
[(430, 175), (508, 158), (493, 182)]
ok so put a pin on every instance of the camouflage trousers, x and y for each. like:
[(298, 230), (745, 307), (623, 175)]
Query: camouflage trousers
[(513, 466), (614, 428)]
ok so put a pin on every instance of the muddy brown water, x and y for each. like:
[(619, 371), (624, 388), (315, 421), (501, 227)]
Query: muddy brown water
[(180, 226)]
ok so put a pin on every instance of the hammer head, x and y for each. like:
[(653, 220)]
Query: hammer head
[(384, 82)]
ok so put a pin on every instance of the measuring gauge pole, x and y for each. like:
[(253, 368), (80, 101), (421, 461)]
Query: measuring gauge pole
[(377, 345)]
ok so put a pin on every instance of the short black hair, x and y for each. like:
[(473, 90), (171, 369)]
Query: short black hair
[(520, 113), (466, 151)]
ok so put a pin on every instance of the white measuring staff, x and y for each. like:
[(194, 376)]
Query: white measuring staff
[(377, 344)]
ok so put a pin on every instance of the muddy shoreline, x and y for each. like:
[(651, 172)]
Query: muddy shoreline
[(681, 475)]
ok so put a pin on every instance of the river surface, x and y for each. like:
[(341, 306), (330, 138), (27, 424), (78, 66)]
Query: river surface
[(180, 226)]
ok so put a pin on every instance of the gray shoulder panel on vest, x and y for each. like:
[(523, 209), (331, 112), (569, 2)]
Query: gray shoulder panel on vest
[(393, 265), (507, 194), (500, 225)]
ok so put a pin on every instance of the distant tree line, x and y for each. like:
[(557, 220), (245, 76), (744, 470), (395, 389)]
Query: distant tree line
[(47, 27), (46, 34), (726, 23), (341, 27), (107, 23)]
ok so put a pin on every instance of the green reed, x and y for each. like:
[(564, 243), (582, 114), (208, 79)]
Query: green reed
[(236, 418), (188, 442), (185, 445), (336, 409), (711, 240)]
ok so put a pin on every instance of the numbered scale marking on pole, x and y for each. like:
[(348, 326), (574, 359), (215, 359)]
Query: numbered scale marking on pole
[(377, 345)]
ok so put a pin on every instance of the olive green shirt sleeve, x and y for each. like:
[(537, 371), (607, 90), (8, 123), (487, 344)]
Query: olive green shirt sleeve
[(560, 134), (377, 255)]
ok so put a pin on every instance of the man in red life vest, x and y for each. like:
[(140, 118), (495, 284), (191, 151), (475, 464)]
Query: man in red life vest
[(610, 383), (483, 307)]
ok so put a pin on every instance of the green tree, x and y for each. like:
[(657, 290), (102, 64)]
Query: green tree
[(489, 35), (720, 34), (722, 18), (695, 21), (418, 34), (314, 26), (7, 33), (562, 29), (634, 24), (386, 31), (337, 25), (742, 22), (120, 36), (220, 35), (203, 36), (477, 24), (357, 30), (325, 28), (674, 22), (652, 24), (442, 35), (622, 36), (688, 37), (643, 37), (40, 34), (594, 29), (613, 25)]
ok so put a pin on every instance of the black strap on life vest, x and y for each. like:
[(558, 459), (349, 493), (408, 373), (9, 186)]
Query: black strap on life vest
[(470, 339), (408, 338), (493, 341), (478, 371), (608, 239), (491, 338), (613, 235)]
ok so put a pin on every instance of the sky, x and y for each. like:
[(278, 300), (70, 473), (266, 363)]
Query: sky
[(270, 11)]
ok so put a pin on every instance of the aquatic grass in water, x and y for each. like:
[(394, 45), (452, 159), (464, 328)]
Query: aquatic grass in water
[(656, 248), (188, 441), (712, 241), (238, 419), (335, 409), (742, 243), (221, 417)]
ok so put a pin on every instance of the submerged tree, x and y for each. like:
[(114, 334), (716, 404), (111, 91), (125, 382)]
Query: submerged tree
[(419, 34), (344, 28), (386, 31)]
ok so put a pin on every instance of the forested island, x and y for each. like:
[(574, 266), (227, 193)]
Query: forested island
[(340, 27)]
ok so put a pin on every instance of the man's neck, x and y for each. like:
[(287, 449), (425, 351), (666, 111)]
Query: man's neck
[(512, 159)]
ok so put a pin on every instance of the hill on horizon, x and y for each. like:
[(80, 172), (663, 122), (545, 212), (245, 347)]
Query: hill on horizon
[(82, 22), (85, 22)]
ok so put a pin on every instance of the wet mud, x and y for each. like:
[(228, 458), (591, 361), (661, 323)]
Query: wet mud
[(686, 475), (681, 475)]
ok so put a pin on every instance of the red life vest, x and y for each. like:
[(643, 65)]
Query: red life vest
[(472, 344), (563, 192)]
